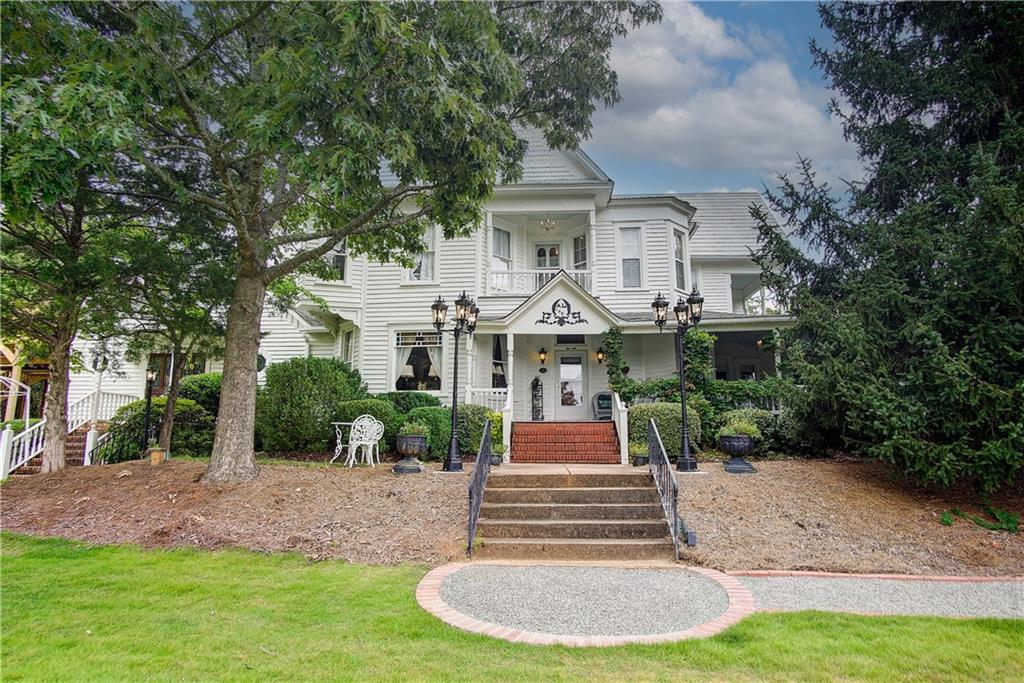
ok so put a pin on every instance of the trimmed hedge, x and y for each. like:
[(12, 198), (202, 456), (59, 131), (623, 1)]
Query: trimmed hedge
[(768, 424), (669, 422), (192, 434), (204, 389), (439, 421), (393, 420), (404, 401), (19, 425), (470, 427), (301, 398)]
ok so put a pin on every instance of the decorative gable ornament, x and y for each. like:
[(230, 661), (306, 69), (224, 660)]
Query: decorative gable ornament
[(561, 314)]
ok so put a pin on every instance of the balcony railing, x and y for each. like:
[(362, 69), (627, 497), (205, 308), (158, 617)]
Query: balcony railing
[(526, 282)]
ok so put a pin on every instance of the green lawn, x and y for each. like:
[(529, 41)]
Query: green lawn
[(74, 612)]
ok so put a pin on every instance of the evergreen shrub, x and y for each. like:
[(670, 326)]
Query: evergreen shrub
[(404, 401), (204, 389), (439, 421), (669, 422), (384, 411), (192, 434)]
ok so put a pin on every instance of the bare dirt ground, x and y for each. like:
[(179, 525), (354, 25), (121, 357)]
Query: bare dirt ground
[(359, 514), (831, 515), (842, 516)]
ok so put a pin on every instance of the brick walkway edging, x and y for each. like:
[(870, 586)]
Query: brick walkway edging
[(775, 573), (428, 595)]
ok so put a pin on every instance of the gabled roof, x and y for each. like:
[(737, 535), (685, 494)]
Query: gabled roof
[(725, 227), (544, 165)]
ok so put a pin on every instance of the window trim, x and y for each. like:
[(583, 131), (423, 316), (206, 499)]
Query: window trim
[(340, 249), (586, 251), (676, 261), (547, 244), (393, 361), (408, 280)]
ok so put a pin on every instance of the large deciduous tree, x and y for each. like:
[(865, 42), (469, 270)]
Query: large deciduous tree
[(319, 122), (910, 308)]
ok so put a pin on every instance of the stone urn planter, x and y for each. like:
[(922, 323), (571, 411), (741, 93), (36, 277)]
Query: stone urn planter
[(737, 447), (411, 446)]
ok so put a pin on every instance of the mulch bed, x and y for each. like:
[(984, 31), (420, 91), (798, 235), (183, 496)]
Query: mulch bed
[(829, 515), (360, 514), (840, 515)]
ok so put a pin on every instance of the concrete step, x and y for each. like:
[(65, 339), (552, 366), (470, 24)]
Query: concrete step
[(577, 528), (590, 494), (500, 480), (574, 549), (508, 511)]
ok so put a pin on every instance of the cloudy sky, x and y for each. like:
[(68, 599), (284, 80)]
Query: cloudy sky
[(719, 96)]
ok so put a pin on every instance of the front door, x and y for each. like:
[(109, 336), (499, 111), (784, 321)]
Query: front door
[(571, 391)]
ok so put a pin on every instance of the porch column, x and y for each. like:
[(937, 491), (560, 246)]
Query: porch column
[(591, 249), (509, 411), (470, 366)]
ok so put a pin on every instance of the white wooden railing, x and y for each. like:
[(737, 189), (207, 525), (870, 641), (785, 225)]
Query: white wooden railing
[(620, 417), (493, 399), (526, 282), (506, 426), (18, 449)]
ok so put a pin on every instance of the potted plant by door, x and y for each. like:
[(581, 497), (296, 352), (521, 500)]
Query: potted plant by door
[(411, 443), (497, 453), (737, 439)]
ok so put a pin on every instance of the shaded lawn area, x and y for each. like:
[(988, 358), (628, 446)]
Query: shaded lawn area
[(74, 612)]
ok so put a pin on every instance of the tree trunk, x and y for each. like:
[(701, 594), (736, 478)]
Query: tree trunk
[(178, 360), (55, 409), (232, 458)]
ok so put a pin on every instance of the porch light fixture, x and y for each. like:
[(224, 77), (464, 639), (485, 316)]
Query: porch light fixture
[(466, 315), (548, 224), (543, 355), (150, 381), (600, 355), (688, 313)]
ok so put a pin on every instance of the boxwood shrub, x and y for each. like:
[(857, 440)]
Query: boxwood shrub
[(670, 425), (204, 389), (439, 421), (471, 420), (348, 411), (300, 399), (404, 401), (192, 434)]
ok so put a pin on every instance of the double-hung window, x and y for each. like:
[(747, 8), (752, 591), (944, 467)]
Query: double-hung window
[(426, 263), (501, 259), (629, 253), (418, 358), (345, 346), (679, 251), (579, 252)]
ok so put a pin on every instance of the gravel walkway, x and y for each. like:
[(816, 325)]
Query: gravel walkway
[(580, 600), (888, 596)]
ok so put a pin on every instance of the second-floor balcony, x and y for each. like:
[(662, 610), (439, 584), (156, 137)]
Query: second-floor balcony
[(526, 282)]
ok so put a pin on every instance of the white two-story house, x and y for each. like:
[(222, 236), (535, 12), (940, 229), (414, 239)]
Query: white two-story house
[(559, 260)]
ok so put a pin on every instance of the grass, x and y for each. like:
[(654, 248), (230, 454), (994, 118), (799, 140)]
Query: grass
[(75, 612)]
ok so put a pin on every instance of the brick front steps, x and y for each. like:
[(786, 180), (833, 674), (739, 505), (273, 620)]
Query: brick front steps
[(576, 442), (572, 513), (74, 451)]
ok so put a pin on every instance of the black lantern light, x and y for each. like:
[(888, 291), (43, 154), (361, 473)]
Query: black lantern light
[(543, 355), (150, 381), (688, 313), (467, 313), (600, 355)]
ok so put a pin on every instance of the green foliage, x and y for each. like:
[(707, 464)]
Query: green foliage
[(192, 436), (19, 425), (669, 422), (739, 427), (414, 429), (404, 401), (769, 427), (497, 429), (699, 358), (439, 422), (909, 338), (204, 389), (638, 449), (1004, 520), (348, 411), (300, 399), (470, 427)]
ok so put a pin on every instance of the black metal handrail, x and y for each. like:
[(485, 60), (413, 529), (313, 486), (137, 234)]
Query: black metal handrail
[(123, 445), (668, 489), (477, 484)]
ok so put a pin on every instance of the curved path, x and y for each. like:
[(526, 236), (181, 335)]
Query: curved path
[(584, 604)]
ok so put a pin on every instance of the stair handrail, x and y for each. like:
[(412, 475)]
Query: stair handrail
[(477, 485), (668, 489)]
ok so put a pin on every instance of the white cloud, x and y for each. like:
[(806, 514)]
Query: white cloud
[(685, 104)]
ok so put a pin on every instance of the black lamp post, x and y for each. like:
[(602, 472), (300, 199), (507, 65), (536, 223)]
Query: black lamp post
[(466, 314), (150, 379), (688, 312)]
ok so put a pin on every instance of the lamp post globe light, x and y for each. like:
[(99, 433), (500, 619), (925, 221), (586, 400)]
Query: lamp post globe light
[(150, 380), (687, 312), (466, 315)]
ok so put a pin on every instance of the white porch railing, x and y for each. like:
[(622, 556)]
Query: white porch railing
[(16, 450), (506, 425), (620, 417), (526, 282), (493, 399)]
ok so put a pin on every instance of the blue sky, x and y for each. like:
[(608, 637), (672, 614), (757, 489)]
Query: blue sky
[(719, 96)]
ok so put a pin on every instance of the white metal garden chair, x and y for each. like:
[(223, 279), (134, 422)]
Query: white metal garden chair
[(364, 435)]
